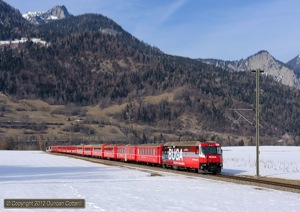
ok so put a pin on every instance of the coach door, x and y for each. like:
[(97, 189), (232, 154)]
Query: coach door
[(125, 153)]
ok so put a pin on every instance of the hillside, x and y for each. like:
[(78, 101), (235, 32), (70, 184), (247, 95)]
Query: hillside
[(12, 24), (93, 71)]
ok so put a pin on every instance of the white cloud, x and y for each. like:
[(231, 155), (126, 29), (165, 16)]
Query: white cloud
[(171, 9)]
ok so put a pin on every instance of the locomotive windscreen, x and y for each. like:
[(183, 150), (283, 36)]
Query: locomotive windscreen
[(211, 150)]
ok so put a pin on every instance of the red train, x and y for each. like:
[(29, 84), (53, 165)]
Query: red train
[(190, 155)]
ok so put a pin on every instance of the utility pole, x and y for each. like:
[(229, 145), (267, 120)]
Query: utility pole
[(129, 119), (257, 119)]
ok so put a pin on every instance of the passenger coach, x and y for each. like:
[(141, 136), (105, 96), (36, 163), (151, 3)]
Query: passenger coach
[(149, 153)]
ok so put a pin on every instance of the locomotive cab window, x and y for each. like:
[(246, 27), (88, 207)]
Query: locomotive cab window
[(211, 150)]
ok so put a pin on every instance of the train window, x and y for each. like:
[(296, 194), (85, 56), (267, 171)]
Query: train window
[(211, 150)]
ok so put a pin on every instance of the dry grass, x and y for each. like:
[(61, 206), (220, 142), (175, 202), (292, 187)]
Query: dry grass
[(41, 112), (155, 174), (169, 96), (107, 128)]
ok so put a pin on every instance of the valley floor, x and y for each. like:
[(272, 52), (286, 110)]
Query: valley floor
[(35, 174)]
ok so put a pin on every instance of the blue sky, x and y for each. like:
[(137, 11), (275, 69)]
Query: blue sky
[(221, 29)]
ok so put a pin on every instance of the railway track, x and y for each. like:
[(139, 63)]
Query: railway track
[(262, 182), (280, 184)]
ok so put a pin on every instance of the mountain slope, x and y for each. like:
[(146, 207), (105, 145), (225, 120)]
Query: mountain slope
[(12, 24), (295, 63), (264, 61), (56, 13), (91, 60)]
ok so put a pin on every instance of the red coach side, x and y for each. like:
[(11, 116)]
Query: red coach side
[(130, 153), (69, 149), (121, 152), (126, 152), (80, 150), (98, 150), (110, 151), (73, 150), (87, 150), (64, 149), (54, 149), (149, 153)]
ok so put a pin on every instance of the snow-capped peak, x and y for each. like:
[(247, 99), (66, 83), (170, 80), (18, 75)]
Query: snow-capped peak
[(56, 13)]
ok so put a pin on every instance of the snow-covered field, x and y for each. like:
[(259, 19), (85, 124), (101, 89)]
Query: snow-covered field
[(274, 161), (34, 174)]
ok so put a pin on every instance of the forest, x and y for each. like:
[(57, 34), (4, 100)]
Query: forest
[(89, 60)]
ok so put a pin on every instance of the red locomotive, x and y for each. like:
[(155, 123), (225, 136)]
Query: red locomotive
[(190, 155), (195, 155)]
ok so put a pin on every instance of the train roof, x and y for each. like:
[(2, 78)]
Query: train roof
[(150, 145), (188, 143), (98, 145)]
